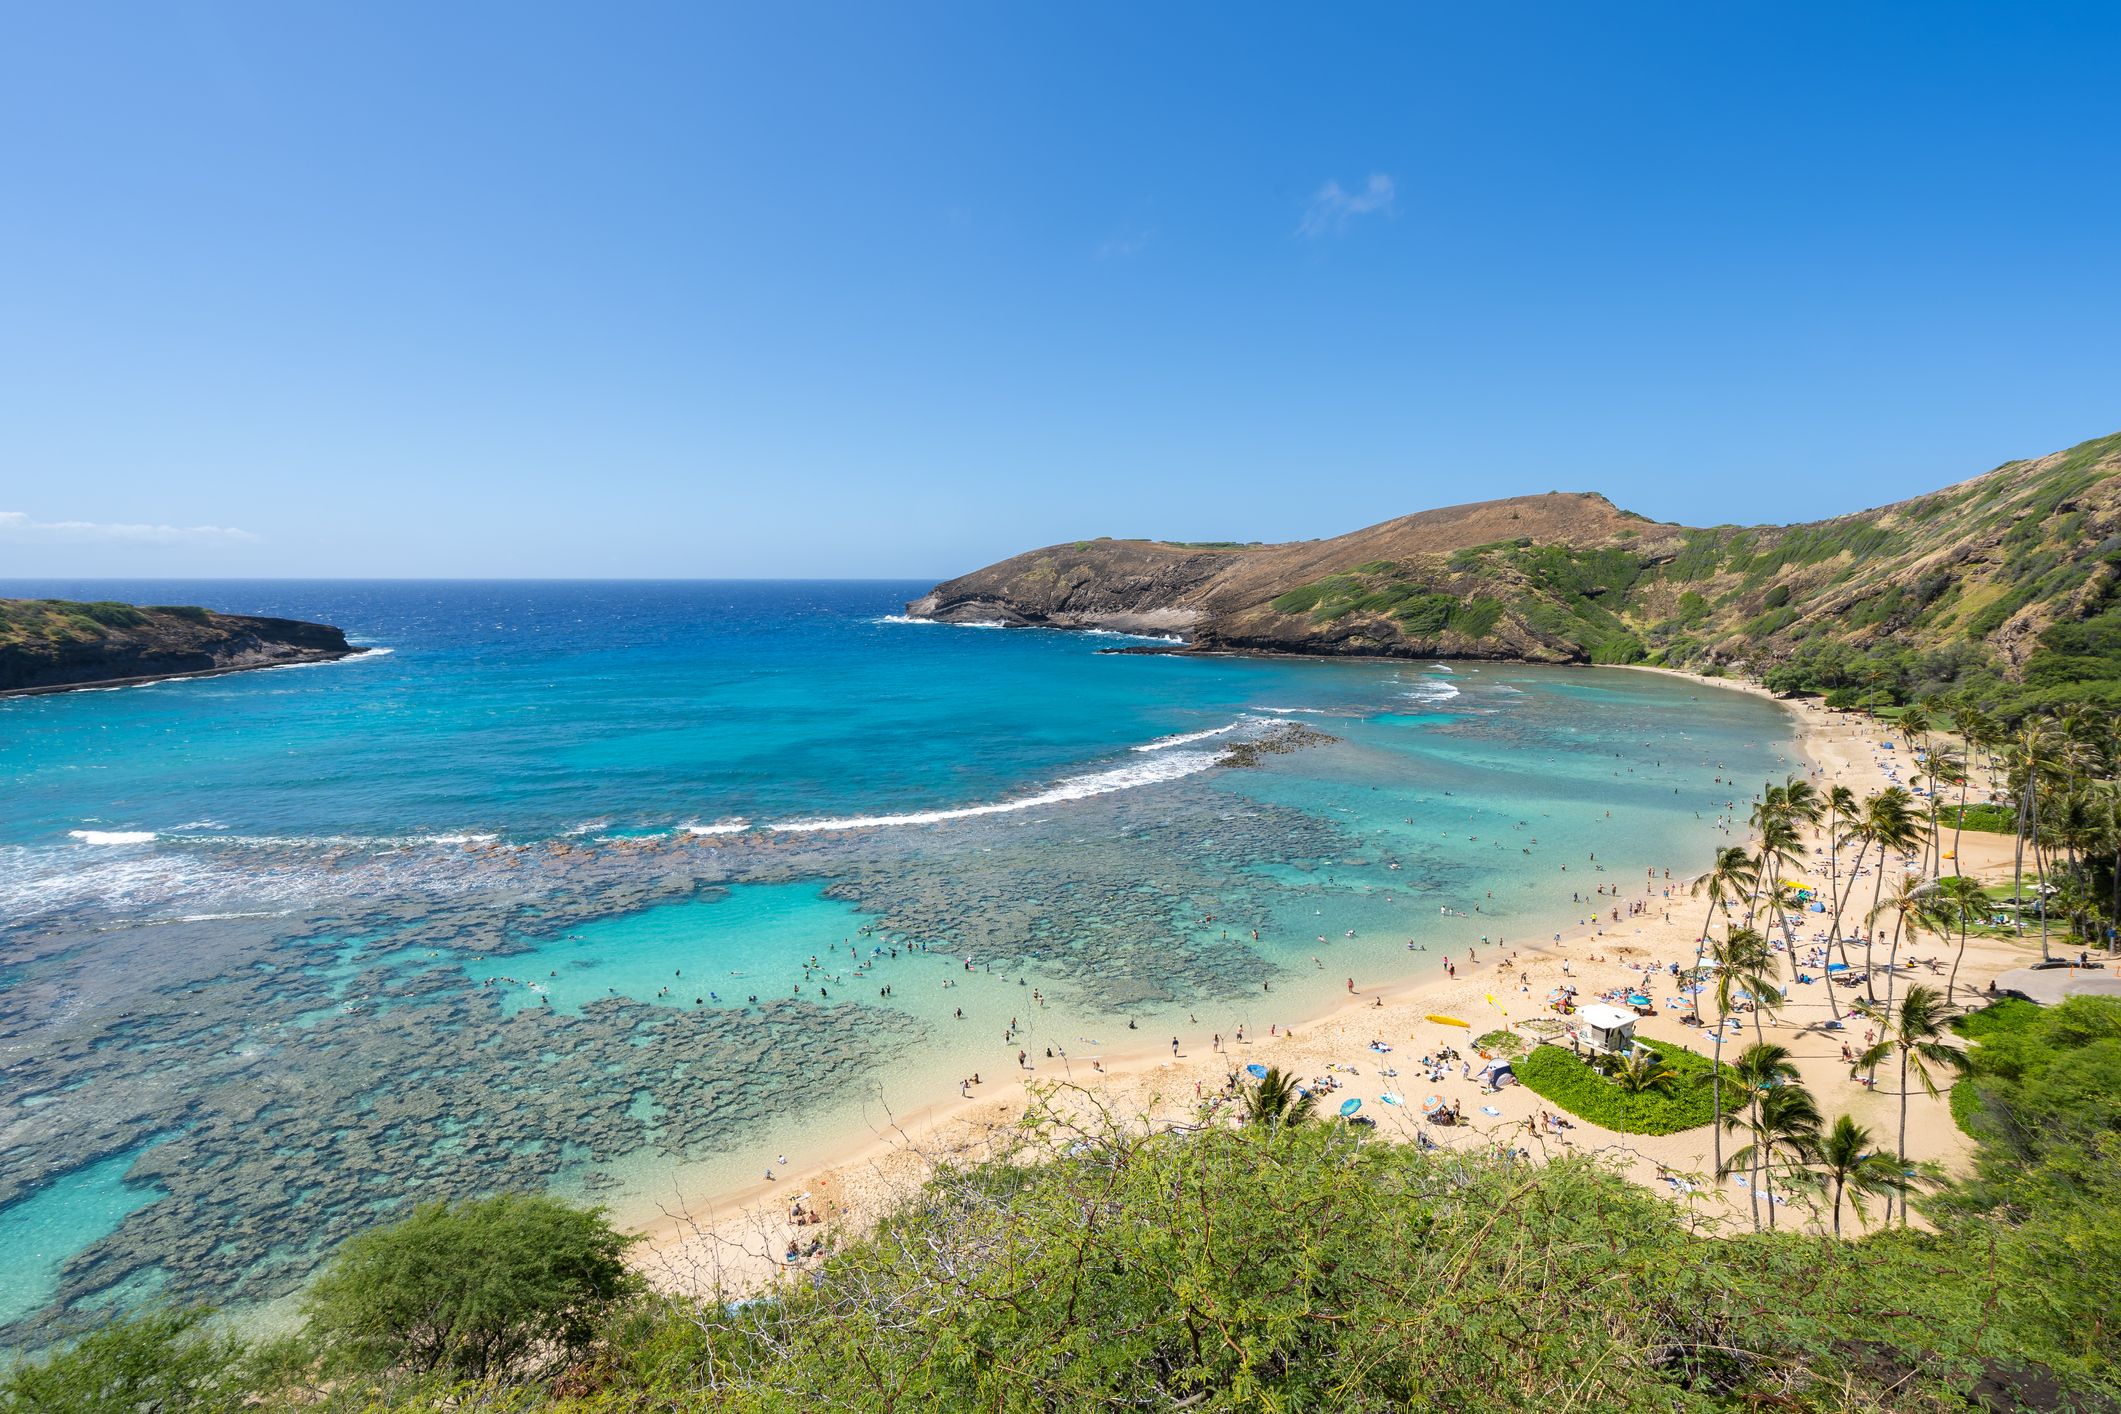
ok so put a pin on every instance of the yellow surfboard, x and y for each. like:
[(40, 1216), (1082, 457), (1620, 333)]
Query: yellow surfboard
[(1449, 1021)]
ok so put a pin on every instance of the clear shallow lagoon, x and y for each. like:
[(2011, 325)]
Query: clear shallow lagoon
[(282, 951)]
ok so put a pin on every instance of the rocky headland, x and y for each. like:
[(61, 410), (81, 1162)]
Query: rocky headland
[(1990, 567), (58, 645)]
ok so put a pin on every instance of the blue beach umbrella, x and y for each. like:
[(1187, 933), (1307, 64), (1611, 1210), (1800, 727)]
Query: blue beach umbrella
[(1348, 1107), (1256, 1071)]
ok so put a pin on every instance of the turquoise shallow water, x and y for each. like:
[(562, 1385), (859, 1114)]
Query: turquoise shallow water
[(627, 889)]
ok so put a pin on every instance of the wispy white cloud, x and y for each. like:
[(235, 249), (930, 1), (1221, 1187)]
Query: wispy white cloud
[(1333, 207), (1121, 246), (16, 525)]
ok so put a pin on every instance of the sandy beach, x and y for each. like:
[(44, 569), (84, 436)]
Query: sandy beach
[(1629, 934)]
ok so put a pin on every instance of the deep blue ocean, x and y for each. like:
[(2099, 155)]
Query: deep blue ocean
[(600, 887)]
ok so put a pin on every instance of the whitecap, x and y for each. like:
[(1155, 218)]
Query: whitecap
[(113, 836), (458, 839), (1165, 742), (1431, 693), (720, 827), (944, 623), (1165, 766)]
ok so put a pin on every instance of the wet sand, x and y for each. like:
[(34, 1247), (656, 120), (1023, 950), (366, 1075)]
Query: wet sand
[(733, 1240)]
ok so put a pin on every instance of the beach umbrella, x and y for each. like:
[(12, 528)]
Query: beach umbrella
[(1348, 1107), (1432, 1104), (1449, 1021), (1256, 1071), (1391, 1099)]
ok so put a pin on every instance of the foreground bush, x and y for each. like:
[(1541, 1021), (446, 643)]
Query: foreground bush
[(475, 1287), (1294, 1267)]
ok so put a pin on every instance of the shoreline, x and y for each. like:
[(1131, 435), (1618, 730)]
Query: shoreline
[(305, 659), (730, 1239)]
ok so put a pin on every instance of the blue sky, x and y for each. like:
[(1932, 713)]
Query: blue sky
[(513, 289)]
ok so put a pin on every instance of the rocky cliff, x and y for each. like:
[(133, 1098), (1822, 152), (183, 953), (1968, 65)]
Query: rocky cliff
[(1993, 562), (51, 645)]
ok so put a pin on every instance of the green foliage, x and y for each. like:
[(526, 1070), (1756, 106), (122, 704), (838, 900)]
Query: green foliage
[(1558, 1075), (159, 1361), (1476, 618), (475, 1287), (1502, 1041), (1986, 817)]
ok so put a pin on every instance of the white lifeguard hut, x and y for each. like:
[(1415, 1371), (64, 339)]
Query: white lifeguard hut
[(1606, 1030)]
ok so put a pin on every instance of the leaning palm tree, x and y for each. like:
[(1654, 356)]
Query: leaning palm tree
[(1840, 808), (1275, 1101), (1731, 876), (1916, 1029), (1785, 1130), (1847, 1164), (1762, 1068)]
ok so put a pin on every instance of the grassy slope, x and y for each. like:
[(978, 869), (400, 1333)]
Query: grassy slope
[(2013, 572)]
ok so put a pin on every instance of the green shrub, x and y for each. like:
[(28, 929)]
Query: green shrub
[(162, 1360), (477, 1287), (1555, 1073), (1988, 818)]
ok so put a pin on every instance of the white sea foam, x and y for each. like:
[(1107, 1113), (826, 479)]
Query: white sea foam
[(1164, 743), (719, 827), (1143, 637), (458, 839), (113, 836), (942, 623), (1314, 711), (1431, 693), (1165, 766), (364, 654)]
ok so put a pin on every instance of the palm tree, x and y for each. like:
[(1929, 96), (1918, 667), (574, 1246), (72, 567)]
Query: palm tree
[(1960, 900), (1916, 1029), (1785, 1128), (1913, 904), (1840, 806), (1744, 961), (1940, 769), (1848, 1164), (1761, 1069), (1975, 730), (1888, 820), (1276, 1102), (2032, 754), (1643, 1072), (1731, 876)]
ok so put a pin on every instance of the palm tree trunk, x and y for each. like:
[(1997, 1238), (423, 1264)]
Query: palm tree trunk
[(2018, 869), (1838, 1183), (1701, 946), (1716, 1088), (1903, 1140), (1959, 825), (1870, 933), (1951, 983)]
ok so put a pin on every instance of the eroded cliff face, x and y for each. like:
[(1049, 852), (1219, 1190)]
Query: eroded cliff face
[(50, 645), (1993, 562)]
